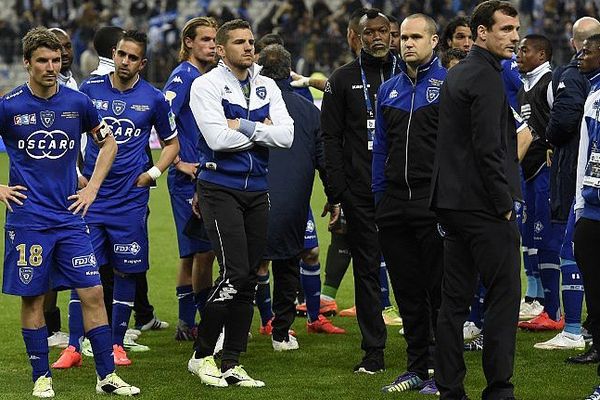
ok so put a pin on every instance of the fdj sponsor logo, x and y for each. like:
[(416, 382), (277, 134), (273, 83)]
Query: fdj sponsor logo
[(84, 261), (123, 129), (42, 144), (131, 248)]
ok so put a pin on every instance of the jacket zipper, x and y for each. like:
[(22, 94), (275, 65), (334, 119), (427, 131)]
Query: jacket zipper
[(412, 104), (248, 118)]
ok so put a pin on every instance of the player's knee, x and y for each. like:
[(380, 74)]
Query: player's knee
[(311, 256)]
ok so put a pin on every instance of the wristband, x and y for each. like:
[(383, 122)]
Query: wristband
[(154, 173), (177, 161)]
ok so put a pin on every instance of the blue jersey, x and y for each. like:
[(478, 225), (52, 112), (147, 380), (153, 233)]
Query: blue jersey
[(512, 81), (177, 92), (131, 115), (42, 138)]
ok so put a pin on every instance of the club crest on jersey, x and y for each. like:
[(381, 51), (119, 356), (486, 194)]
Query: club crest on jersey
[(47, 118), (432, 93), (118, 106), (25, 275), (11, 236), (261, 92), (128, 248)]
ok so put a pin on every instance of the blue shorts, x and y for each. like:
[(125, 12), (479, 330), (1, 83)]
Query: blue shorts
[(57, 258), (122, 241), (538, 232), (181, 203), (310, 234)]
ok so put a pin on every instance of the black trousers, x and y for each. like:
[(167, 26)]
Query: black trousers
[(362, 238), (286, 280), (413, 251), (585, 238), (236, 223), (478, 243)]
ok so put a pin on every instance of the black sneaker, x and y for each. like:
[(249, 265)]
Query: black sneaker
[(369, 366), (589, 357), (475, 344)]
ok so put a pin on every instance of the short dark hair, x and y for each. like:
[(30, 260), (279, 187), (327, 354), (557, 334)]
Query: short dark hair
[(189, 31), (483, 14), (355, 18), (266, 40), (393, 20), (541, 42), (106, 39), (276, 62), (452, 54), (451, 28), (138, 37), (39, 37), (223, 32)]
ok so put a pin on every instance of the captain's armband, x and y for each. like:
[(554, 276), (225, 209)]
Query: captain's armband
[(101, 132)]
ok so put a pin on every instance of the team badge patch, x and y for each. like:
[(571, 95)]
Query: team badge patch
[(432, 93), (261, 92), (47, 118), (26, 275), (118, 107)]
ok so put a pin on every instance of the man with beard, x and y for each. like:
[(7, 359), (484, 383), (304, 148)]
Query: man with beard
[(240, 114), (348, 124)]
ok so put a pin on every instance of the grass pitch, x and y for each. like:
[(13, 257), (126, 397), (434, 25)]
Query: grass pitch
[(320, 369)]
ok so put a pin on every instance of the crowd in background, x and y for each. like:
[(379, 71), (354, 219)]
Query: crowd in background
[(314, 30)]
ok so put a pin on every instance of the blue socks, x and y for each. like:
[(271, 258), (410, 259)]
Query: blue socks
[(187, 308), (75, 322), (36, 344), (123, 298), (385, 285), (102, 348), (550, 274), (263, 299), (310, 278), (572, 295)]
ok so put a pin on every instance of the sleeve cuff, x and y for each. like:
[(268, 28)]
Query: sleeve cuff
[(247, 127)]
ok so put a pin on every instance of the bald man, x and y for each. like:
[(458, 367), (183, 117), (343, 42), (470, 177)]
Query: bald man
[(570, 89)]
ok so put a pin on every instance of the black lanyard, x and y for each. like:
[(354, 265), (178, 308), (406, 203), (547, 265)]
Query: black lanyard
[(368, 105)]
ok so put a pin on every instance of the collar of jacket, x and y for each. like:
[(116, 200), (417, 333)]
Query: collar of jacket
[(284, 84), (253, 71), (593, 77), (532, 77), (64, 78), (421, 69), (371, 61), (477, 51)]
